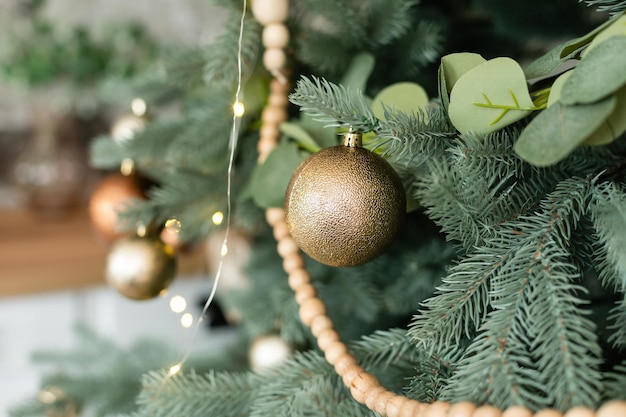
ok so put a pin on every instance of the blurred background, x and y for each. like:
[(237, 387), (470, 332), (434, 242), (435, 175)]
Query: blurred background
[(62, 69)]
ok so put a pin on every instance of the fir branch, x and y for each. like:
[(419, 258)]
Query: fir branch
[(563, 341), (98, 373), (192, 394), (426, 43), (183, 66), (220, 69), (385, 20), (608, 210), (614, 7), (304, 385), (334, 104), (359, 295), (105, 153), (615, 383), (385, 348), (459, 305), (412, 139), (524, 275)]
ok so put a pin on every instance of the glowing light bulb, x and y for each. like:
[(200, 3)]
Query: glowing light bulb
[(138, 106), (186, 320), (173, 225), (127, 167), (178, 304), (218, 218), (224, 249), (239, 109), (174, 370)]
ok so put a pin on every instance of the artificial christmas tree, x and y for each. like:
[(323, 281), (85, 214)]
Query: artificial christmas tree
[(503, 293)]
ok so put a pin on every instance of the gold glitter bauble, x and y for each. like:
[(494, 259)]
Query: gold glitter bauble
[(140, 268), (111, 194), (344, 205)]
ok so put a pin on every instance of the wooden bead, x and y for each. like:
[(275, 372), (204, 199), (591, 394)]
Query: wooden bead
[(274, 115), (437, 409), (275, 35), (278, 100), (361, 385), (517, 411), (487, 411), (326, 337), (394, 405), (281, 230), (548, 412), (371, 397), (351, 373), (304, 292), (311, 308), (412, 408), (293, 262), (612, 409), (274, 59), (344, 362), (287, 246), (319, 324), (279, 87), (270, 131), (462, 409), (380, 403), (270, 11), (579, 412), (297, 278), (334, 351), (273, 215), (264, 147)]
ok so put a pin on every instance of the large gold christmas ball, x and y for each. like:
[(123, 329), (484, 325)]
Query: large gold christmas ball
[(344, 204), (140, 268), (110, 196)]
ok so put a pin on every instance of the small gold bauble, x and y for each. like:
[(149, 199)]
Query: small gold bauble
[(111, 195), (344, 205), (140, 268)]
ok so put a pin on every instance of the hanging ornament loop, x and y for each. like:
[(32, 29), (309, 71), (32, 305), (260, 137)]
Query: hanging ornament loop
[(353, 139)]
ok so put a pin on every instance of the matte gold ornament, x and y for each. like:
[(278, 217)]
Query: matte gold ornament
[(111, 194), (344, 204), (140, 268)]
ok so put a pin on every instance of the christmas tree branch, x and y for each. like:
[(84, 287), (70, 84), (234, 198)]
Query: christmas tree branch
[(334, 104)]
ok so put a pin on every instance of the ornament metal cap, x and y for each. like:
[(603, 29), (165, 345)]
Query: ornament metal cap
[(353, 139)]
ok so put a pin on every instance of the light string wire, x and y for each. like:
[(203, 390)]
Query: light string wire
[(234, 134)]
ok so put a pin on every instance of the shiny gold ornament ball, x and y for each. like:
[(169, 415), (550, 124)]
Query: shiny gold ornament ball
[(140, 268), (344, 204), (110, 196)]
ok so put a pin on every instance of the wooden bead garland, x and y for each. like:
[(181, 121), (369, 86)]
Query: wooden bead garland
[(364, 387)]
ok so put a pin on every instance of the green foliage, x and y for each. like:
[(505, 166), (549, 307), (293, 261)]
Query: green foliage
[(97, 375), (498, 264), (39, 53), (612, 6), (334, 104)]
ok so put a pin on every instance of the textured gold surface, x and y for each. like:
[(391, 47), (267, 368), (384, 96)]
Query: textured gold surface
[(140, 268), (344, 206)]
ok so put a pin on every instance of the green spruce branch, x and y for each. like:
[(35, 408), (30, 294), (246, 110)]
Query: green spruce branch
[(334, 104)]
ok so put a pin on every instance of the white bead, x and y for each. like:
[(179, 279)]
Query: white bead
[(275, 35), (270, 11), (274, 59)]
